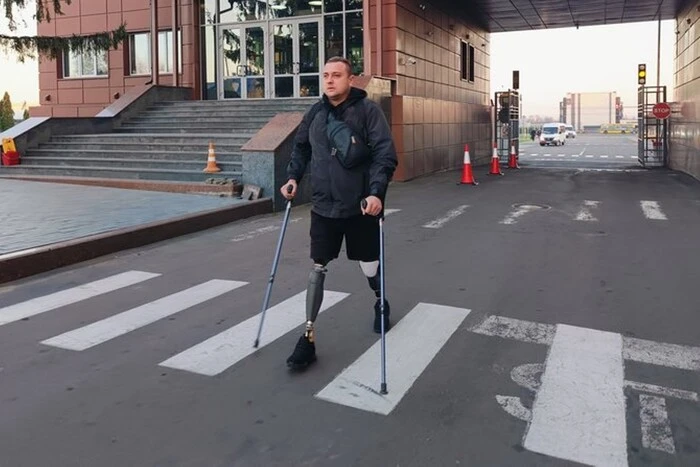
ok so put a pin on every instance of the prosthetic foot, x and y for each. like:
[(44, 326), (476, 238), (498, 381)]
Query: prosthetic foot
[(305, 350)]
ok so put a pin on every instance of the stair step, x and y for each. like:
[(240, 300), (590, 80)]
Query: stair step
[(215, 113), (151, 138), (193, 127), (156, 164), (136, 147), (51, 151), (203, 118), (117, 172)]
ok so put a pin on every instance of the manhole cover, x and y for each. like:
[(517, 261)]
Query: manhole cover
[(531, 206)]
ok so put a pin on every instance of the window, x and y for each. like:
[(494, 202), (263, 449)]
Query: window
[(140, 53), (84, 64), (467, 62)]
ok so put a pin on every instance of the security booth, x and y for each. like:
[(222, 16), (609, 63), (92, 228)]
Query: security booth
[(507, 124)]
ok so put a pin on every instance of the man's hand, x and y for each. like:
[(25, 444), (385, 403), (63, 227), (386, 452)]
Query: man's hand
[(285, 189), (373, 207)]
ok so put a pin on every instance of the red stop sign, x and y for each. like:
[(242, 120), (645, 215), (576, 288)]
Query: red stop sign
[(661, 110)]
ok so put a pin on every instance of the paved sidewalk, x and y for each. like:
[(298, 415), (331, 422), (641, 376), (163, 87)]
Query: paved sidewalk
[(37, 213)]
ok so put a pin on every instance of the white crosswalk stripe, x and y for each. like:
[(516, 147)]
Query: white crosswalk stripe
[(407, 357), (77, 294), (122, 323), (227, 348)]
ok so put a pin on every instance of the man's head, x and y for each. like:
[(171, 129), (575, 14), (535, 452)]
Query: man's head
[(337, 79)]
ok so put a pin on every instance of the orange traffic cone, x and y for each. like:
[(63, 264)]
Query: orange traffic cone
[(495, 164), (467, 175), (513, 159), (211, 161)]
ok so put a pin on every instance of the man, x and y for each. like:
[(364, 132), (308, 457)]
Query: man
[(338, 191)]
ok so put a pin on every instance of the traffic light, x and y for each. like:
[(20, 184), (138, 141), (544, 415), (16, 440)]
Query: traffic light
[(642, 73), (504, 115)]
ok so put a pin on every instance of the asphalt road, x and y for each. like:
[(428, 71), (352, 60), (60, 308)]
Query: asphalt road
[(586, 150), (544, 318)]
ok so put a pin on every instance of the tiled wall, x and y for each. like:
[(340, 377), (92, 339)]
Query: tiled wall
[(685, 122), (434, 113), (85, 97)]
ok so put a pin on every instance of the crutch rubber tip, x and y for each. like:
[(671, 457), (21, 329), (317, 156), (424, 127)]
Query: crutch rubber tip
[(256, 343), (383, 389)]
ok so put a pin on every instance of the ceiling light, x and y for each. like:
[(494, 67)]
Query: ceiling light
[(315, 3)]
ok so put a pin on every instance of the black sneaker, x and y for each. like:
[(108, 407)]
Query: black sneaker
[(304, 354), (378, 316)]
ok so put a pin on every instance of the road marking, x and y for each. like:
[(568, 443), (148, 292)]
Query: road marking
[(589, 157), (438, 223), (619, 157), (411, 345), (127, 321), (574, 155), (579, 410), (518, 212), (603, 157), (222, 351), (517, 329), (582, 151), (585, 214), (534, 154), (662, 354), (656, 427), (662, 391), (546, 155), (638, 350), (561, 155), (55, 300), (262, 230), (514, 406), (652, 210), (634, 157)]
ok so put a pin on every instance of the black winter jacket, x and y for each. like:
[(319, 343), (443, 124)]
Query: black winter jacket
[(337, 191)]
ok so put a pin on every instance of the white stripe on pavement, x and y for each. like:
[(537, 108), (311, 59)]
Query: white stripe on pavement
[(55, 300), (652, 210), (127, 321), (579, 410), (603, 157), (639, 350), (518, 212), (411, 345), (229, 347), (585, 214), (438, 223), (262, 230), (662, 391), (656, 427), (658, 353), (619, 157), (589, 157), (517, 329)]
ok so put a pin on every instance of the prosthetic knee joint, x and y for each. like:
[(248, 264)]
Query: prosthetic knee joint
[(371, 270), (314, 296)]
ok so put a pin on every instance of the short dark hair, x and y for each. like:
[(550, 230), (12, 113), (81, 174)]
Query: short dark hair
[(338, 59)]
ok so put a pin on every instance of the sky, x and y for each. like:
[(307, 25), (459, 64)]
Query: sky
[(589, 59), (21, 80)]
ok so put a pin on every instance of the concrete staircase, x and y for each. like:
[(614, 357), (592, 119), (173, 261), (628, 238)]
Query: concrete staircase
[(167, 142)]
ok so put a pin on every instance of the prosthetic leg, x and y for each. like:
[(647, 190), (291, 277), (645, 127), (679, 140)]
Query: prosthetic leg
[(372, 270), (314, 297), (305, 351)]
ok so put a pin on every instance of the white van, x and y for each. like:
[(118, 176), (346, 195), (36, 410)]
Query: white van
[(553, 134)]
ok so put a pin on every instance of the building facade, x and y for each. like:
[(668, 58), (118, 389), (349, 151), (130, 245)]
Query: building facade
[(275, 49), (587, 111)]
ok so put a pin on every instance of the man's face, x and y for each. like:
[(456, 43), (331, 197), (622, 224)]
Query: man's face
[(336, 80)]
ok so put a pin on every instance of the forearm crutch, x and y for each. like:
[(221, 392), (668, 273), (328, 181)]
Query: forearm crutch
[(266, 301), (383, 389)]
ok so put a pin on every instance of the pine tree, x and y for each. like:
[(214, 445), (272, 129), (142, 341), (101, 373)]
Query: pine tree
[(7, 115), (49, 46)]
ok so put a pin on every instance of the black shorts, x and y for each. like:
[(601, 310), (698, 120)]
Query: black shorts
[(361, 237)]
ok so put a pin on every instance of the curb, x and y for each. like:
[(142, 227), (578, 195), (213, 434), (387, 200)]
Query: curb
[(24, 263)]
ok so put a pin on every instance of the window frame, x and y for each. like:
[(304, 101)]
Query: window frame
[(466, 56), (66, 60), (168, 55)]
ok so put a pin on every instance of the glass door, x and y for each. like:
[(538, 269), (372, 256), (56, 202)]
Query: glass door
[(242, 62), (296, 58)]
